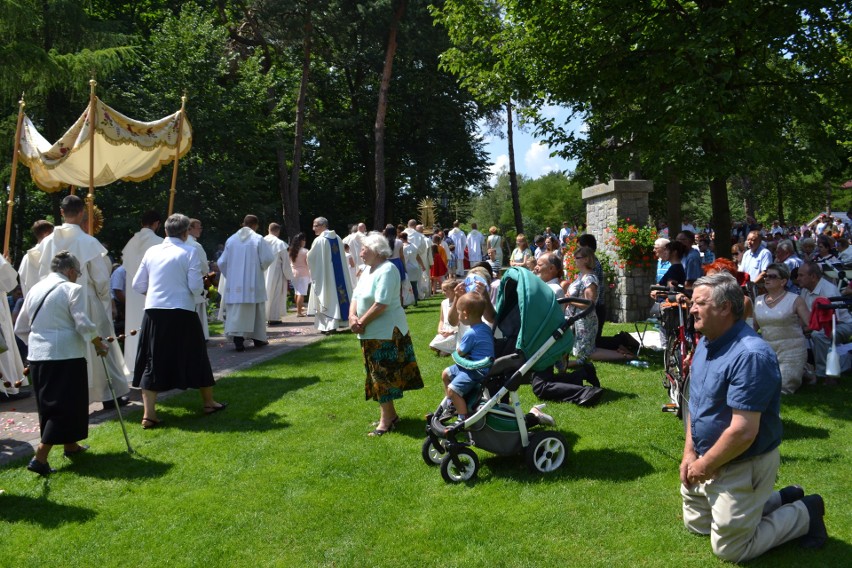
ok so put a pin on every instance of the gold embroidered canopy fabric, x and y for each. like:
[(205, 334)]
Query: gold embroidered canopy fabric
[(125, 149)]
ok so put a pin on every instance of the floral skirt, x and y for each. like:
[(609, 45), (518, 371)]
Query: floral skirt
[(390, 366)]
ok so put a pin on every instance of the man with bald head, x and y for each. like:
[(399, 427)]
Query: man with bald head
[(242, 263), (331, 288)]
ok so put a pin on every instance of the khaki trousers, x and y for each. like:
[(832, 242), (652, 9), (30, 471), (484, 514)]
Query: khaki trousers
[(741, 512)]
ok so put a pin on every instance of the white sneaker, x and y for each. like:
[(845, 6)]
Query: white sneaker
[(545, 419)]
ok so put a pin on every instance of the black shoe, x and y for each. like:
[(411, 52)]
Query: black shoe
[(43, 469), (591, 375), (122, 401), (817, 535), (791, 494), (259, 343), (274, 322), (239, 344), (591, 397)]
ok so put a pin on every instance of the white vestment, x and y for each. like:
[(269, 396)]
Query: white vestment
[(475, 244), (134, 302), (28, 270), (201, 301), (10, 360), (354, 241), (245, 258), (460, 241), (326, 294), (423, 246), (94, 276), (277, 275)]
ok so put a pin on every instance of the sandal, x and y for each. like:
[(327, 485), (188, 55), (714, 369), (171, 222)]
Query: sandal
[(214, 409), (394, 422), (150, 423), (379, 432)]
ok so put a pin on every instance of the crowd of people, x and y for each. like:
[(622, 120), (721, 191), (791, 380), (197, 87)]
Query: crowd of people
[(73, 300)]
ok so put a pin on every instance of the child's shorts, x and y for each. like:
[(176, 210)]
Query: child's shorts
[(464, 381)]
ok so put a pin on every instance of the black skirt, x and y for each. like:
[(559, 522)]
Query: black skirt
[(172, 353), (62, 398)]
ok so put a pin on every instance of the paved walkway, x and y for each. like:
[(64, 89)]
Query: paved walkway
[(19, 432)]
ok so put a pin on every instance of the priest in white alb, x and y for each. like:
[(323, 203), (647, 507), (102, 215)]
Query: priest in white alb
[(94, 277), (11, 365), (277, 276), (134, 302), (243, 261), (331, 287), (192, 237)]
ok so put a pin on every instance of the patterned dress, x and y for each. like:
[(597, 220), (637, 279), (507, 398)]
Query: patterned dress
[(585, 329), (780, 327)]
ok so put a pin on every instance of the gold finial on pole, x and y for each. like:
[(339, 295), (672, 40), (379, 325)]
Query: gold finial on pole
[(10, 204), (173, 189)]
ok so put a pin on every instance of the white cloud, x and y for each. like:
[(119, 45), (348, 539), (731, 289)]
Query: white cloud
[(500, 164), (537, 160)]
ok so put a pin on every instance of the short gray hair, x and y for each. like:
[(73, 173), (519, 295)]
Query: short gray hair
[(725, 288), (321, 221), (176, 225), (782, 269), (786, 246), (63, 261), (376, 242), (661, 242)]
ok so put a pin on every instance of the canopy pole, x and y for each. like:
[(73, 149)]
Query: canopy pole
[(90, 199), (10, 205), (177, 156)]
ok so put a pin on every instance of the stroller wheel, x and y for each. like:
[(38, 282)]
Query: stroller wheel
[(468, 466), (432, 455), (547, 452)]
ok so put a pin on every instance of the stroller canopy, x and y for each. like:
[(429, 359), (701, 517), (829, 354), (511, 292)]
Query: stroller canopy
[(527, 310)]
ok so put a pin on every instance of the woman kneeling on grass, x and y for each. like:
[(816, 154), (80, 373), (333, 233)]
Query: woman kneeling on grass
[(54, 324), (376, 315)]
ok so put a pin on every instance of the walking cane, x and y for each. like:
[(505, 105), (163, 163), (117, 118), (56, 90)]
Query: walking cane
[(109, 341)]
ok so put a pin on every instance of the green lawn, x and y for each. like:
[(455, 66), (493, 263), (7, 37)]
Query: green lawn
[(287, 477)]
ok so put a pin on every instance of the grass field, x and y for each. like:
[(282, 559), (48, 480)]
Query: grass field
[(287, 477)]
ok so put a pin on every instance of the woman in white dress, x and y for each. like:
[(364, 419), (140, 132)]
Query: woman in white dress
[(781, 316)]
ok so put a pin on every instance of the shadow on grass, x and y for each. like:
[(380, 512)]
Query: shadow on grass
[(242, 394), (41, 511), (610, 395), (117, 466), (835, 553), (831, 401), (796, 431)]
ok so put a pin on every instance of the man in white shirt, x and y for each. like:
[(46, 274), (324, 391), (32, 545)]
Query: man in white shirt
[(331, 287), (475, 244), (814, 286), (94, 278), (353, 239), (755, 258), (194, 233), (277, 275), (460, 242), (565, 232), (245, 258), (131, 256)]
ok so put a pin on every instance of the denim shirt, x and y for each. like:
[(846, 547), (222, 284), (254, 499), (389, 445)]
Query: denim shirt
[(736, 371)]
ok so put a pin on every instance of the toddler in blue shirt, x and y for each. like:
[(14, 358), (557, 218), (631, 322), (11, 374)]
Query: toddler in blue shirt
[(474, 355)]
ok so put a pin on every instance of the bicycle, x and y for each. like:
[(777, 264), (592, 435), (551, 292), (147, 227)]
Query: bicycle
[(681, 340)]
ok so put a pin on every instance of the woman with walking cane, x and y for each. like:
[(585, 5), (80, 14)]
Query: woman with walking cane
[(54, 324)]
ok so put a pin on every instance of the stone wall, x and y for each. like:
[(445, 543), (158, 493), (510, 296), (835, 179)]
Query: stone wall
[(606, 203)]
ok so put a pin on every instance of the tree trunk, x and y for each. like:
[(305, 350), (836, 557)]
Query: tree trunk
[(513, 174), (779, 203), (290, 200), (381, 114), (673, 202), (721, 216)]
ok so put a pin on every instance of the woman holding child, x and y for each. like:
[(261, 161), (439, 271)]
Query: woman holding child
[(376, 315)]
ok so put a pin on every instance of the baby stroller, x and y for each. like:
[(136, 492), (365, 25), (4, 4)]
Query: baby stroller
[(531, 334)]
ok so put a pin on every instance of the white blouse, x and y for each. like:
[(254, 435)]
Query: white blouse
[(61, 327), (169, 276)]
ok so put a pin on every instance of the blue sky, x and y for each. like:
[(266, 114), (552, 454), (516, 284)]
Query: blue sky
[(532, 155)]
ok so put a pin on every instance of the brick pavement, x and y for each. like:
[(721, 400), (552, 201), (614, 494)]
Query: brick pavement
[(19, 432)]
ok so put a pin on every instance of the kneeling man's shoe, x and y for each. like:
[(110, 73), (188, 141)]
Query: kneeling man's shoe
[(817, 535), (791, 494)]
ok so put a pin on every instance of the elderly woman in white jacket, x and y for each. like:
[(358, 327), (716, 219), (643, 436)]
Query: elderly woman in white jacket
[(54, 324)]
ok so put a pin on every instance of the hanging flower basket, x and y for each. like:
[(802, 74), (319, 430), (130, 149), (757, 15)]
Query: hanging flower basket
[(632, 246)]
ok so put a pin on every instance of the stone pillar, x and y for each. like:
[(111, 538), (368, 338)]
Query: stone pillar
[(606, 203)]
